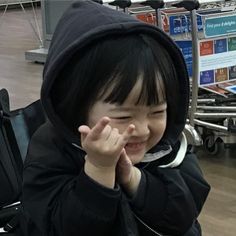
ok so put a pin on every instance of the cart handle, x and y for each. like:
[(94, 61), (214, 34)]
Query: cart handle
[(189, 5)]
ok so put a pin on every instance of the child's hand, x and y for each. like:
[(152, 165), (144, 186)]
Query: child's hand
[(103, 144), (127, 175), (124, 169)]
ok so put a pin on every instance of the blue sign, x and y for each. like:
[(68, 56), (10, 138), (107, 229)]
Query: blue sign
[(207, 77), (220, 45), (182, 24), (219, 26), (186, 49)]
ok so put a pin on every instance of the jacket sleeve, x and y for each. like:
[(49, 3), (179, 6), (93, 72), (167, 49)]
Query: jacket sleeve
[(169, 200), (60, 200)]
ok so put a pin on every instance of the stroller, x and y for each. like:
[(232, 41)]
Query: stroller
[(16, 129)]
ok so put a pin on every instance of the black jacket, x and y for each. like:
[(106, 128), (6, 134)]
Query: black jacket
[(60, 199)]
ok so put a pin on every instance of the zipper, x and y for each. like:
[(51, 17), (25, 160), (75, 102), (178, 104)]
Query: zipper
[(149, 228)]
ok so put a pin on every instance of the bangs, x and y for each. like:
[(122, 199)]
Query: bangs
[(151, 93), (138, 64)]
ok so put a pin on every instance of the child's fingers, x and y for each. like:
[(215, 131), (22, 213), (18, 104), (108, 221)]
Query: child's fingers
[(99, 127), (84, 130), (124, 159), (124, 138), (124, 168), (128, 132)]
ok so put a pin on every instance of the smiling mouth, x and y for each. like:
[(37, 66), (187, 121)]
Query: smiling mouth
[(135, 146)]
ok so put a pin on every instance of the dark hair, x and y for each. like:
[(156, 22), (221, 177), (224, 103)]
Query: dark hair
[(118, 62)]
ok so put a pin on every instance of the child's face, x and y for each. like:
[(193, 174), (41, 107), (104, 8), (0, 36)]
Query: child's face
[(149, 121)]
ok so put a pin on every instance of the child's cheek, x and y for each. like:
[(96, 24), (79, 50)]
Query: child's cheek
[(119, 126)]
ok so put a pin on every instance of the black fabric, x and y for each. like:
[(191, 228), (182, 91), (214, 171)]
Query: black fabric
[(16, 129), (60, 199), (10, 162), (9, 218)]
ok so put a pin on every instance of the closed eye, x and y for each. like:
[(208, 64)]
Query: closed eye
[(122, 117), (158, 112)]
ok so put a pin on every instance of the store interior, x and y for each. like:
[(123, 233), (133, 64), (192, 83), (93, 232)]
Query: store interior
[(22, 78)]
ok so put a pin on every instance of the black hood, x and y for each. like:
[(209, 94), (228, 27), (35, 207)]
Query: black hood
[(87, 21)]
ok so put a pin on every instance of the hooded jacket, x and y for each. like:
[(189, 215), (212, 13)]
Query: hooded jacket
[(59, 199)]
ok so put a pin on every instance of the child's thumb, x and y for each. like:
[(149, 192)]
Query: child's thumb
[(124, 159)]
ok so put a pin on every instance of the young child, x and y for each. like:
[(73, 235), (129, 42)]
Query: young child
[(111, 160)]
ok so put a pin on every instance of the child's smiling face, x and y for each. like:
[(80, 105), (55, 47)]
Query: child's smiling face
[(149, 120)]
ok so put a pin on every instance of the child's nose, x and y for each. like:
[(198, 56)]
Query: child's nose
[(142, 129)]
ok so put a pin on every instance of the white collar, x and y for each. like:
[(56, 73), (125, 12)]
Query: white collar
[(180, 154), (149, 157)]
